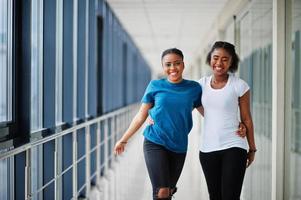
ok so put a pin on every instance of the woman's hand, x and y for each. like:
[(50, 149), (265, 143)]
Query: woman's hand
[(119, 147), (150, 121), (136, 123), (250, 157), (242, 130)]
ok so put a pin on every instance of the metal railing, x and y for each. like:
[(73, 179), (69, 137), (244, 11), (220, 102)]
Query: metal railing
[(109, 128)]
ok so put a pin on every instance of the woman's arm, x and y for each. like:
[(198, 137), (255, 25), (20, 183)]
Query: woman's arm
[(201, 110), (136, 123), (246, 118)]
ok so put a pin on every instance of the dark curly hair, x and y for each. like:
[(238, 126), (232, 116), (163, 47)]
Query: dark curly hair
[(230, 48), (172, 51)]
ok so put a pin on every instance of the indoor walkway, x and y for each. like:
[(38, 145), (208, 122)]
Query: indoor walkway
[(72, 74), (129, 179)]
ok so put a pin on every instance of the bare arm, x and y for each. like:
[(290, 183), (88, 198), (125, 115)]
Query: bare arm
[(246, 118), (136, 123), (201, 110)]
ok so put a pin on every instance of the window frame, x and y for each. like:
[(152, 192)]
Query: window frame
[(9, 70)]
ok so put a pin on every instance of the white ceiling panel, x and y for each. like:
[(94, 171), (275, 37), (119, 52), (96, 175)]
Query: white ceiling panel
[(156, 25)]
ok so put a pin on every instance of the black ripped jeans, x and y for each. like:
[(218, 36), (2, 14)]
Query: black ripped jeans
[(164, 166)]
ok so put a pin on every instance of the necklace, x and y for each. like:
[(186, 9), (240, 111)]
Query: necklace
[(220, 82)]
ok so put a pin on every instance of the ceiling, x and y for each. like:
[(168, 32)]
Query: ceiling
[(156, 25)]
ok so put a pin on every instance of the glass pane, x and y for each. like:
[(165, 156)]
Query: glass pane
[(36, 64), (4, 104), (295, 118), (36, 171), (36, 94), (4, 179), (256, 69), (59, 64)]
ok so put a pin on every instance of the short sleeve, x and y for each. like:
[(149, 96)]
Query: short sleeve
[(241, 87), (202, 81), (148, 96), (198, 102)]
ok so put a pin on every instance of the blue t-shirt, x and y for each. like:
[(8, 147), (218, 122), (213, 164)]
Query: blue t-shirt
[(171, 112)]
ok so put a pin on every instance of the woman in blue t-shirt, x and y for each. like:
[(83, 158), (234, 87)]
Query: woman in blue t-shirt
[(169, 102)]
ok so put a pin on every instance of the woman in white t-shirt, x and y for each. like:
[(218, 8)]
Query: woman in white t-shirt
[(224, 155)]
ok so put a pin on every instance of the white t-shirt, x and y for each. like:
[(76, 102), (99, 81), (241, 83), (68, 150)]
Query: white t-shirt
[(221, 114)]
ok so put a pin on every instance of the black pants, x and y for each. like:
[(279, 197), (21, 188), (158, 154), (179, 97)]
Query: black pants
[(164, 166), (224, 172)]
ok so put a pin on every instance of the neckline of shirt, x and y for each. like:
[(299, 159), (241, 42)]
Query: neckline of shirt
[(219, 89), (182, 82)]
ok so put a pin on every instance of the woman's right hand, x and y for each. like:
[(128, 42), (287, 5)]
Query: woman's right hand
[(150, 121), (119, 147), (242, 130), (136, 123)]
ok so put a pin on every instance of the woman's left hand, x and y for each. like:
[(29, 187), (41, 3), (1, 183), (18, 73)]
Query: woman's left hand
[(242, 130), (250, 157)]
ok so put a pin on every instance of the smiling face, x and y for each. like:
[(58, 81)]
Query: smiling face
[(173, 67), (220, 61)]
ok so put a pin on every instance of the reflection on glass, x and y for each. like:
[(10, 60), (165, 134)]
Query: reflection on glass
[(256, 69), (36, 94), (3, 62), (36, 66), (3, 179), (59, 64), (36, 171), (295, 122)]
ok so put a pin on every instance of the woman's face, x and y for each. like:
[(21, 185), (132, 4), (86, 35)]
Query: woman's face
[(220, 61), (173, 67)]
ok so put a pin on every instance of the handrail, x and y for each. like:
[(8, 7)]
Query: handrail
[(108, 128), (12, 152)]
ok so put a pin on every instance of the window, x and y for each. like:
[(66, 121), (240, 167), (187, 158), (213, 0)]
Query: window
[(6, 167), (59, 63), (36, 121), (36, 65), (5, 61), (293, 99)]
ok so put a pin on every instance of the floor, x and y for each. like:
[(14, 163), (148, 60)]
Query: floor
[(128, 180)]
